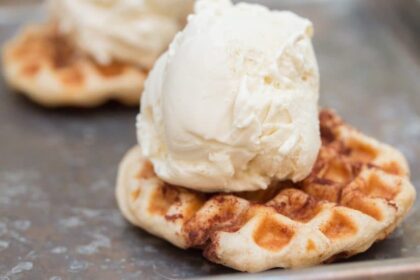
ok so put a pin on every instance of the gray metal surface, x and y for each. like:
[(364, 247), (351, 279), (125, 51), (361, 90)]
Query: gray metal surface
[(58, 216), (393, 269)]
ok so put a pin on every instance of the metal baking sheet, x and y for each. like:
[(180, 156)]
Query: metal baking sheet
[(58, 216)]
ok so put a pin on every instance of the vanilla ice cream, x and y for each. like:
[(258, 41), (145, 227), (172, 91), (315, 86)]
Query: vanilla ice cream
[(134, 31), (233, 104)]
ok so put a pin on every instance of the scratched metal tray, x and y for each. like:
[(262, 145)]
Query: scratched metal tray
[(58, 216)]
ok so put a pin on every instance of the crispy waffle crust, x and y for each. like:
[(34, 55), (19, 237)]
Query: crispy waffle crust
[(47, 68), (357, 193)]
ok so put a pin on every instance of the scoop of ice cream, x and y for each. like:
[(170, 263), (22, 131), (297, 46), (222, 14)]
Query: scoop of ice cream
[(232, 105), (134, 31)]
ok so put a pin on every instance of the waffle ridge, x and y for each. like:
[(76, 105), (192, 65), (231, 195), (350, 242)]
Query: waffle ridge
[(357, 193)]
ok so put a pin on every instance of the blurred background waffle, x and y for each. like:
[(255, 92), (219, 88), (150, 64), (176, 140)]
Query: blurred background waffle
[(58, 214)]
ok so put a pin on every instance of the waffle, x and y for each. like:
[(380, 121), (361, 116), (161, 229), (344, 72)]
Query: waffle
[(357, 193), (50, 70)]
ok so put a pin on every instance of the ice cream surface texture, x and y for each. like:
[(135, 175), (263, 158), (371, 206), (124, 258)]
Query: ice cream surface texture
[(134, 31), (233, 104)]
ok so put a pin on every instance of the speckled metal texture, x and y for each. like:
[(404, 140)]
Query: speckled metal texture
[(58, 216)]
